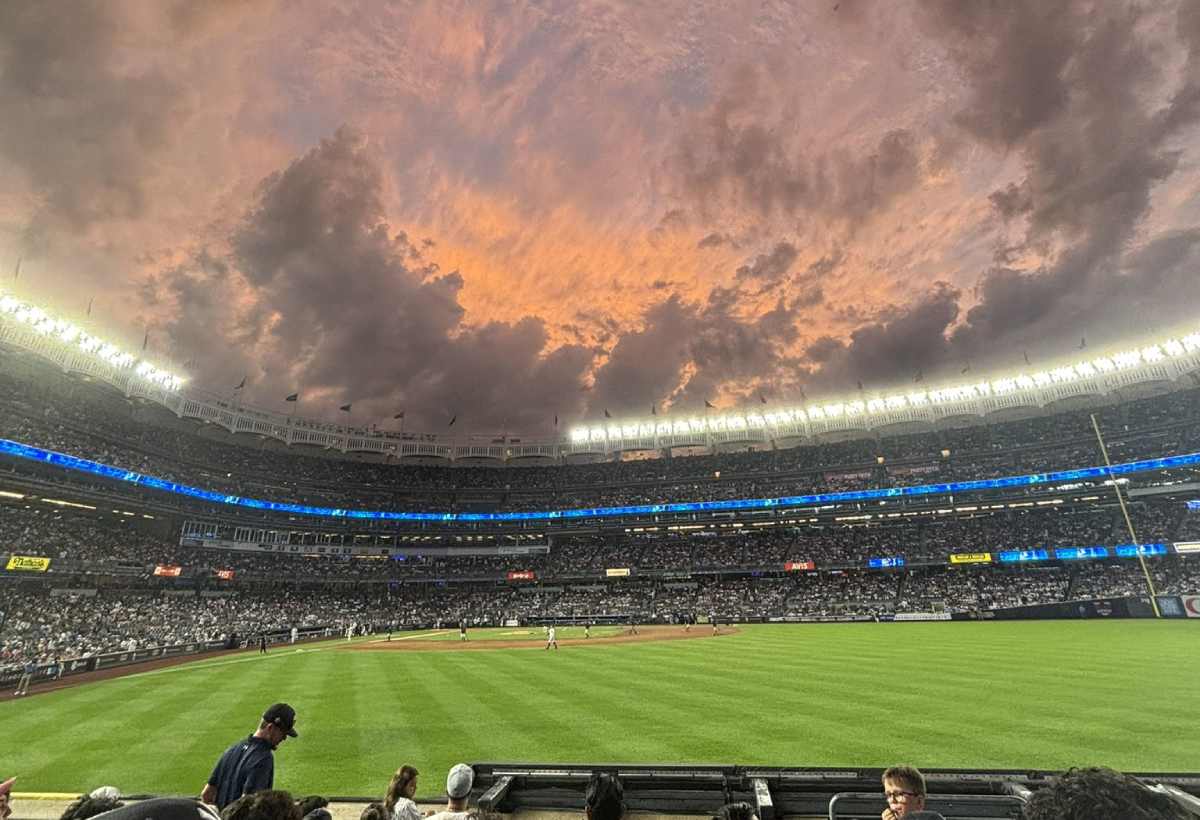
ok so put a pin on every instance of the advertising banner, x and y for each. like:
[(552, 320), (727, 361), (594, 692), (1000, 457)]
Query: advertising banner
[(1187, 546), (168, 570), (971, 558), (1019, 556), (27, 563), (622, 572), (1080, 553), (225, 574), (885, 563), (1134, 550), (521, 575), (799, 566), (1191, 605)]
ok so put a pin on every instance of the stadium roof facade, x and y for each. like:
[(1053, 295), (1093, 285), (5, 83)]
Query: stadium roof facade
[(1165, 360)]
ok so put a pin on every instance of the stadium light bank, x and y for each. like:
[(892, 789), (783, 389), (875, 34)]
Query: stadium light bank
[(73, 336), (914, 400)]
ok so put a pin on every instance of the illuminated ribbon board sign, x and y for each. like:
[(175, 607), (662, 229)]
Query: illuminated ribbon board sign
[(27, 563), (521, 575), (622, 572), (1020, 556), (168, 570), (225, 574), (799, 566), (1080, 553), (885, 563), (74, 463), (1134, 550), (1187, 546), (971, 558)]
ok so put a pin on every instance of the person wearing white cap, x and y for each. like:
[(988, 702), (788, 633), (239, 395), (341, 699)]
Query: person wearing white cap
[(458, 789)]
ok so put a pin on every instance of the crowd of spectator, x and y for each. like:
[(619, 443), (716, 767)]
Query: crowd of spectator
[(95, 543), (46, 627)]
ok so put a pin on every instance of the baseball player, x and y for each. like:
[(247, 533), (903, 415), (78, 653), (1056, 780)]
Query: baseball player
[(712, 619), (550, 639), (587, 629), (27, 674), (462, 630)]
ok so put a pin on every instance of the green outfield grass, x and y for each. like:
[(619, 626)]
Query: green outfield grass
[(1011, 695)]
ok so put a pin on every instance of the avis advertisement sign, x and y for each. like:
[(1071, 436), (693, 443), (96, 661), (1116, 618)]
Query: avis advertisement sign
[(799, 566), (1191, 605)]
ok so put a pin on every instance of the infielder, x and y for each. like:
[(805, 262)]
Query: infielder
[(550, 639)]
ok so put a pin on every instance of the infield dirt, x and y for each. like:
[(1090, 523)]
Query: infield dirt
[(645, 634)]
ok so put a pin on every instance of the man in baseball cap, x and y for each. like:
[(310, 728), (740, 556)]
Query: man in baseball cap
[(248, 766), (458, 788)]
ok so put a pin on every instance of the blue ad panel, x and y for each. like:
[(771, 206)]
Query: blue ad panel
[(1080, 553), (25, 451), (1020, 556), (884, 563), (1134, 550)]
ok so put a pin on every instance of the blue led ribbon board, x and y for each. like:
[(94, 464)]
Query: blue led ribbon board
[(82, 465)]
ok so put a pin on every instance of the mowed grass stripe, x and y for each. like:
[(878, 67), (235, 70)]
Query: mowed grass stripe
[(1021, 695)]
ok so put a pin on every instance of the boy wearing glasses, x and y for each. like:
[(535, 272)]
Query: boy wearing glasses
[(904, 789)]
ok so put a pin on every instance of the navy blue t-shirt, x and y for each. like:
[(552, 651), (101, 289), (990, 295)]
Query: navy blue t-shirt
[(246, 767)]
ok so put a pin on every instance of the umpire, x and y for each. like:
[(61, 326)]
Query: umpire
[(249, 766)]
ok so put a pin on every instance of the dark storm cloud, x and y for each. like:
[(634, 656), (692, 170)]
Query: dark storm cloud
[(83, 122), (686, 353), (738, 156), (1071, 88), (336, 309), (891, 350), (769, 269)]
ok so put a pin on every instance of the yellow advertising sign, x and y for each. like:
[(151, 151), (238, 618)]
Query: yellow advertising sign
[(29, 563), (623, 572), (971, 558)]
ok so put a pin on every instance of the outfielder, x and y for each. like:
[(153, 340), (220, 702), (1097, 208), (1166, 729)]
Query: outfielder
[(550, 639)]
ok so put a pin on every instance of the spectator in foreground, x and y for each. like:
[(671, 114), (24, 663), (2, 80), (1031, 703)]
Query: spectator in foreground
[(248, 766), (736, 811), (262, 805), (400, 793), (313, 807), (105, 798), (6, 798), (374, 811), (604, 798), (904, 790), (458, 789), (1100, 794)]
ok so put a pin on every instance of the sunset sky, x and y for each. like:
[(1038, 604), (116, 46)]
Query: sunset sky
[(513, 211)]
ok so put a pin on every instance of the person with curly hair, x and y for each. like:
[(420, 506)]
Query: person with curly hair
[(1097, 793)]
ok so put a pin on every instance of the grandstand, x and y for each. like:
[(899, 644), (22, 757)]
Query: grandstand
[(142, 522)]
